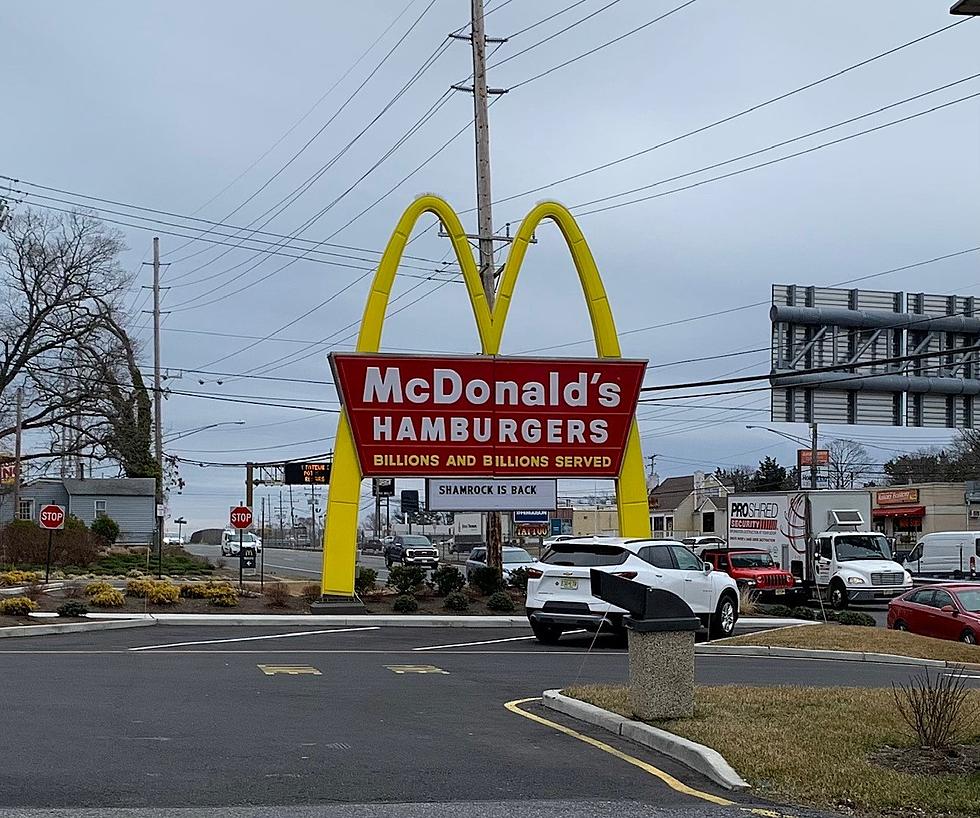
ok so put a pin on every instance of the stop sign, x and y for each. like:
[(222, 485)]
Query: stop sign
[(240, 517), (52, 517)]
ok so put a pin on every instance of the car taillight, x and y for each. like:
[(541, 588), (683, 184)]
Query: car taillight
[(625, 574), (534, 573)]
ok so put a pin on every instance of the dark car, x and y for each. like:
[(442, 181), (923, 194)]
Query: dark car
[(412, 549), (947, 611)]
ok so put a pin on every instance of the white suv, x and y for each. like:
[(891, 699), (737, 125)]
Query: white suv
[(559, 594)]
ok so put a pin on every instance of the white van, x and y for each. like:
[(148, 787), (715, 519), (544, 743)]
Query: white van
[(945, 553)]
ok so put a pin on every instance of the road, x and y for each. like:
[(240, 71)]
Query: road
[(298, 563), (206, 717)]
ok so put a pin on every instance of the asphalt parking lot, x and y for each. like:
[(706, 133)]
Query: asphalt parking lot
[(283, 718)]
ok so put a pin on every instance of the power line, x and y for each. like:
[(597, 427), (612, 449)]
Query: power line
[(606, 44), (783, 158), (731, 117)]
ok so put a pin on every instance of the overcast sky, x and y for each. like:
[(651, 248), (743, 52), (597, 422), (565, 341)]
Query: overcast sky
[(167, 105)]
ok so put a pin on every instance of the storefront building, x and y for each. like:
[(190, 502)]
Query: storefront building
[(906, 512)]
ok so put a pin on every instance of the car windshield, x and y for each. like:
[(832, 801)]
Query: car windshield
[(759, 560), (412, 540), (970, 600), (862, 547), (517, 555), (584, 555)]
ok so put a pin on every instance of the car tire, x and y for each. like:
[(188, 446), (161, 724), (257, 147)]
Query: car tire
[(726, 615), (838, 596), (900, 625), (545, 632), (969, 637)]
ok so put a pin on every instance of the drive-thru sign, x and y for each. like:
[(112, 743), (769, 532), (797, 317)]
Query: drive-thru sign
[(51, 517)]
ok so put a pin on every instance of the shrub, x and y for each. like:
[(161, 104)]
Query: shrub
[(311, 593), (748, 602), (108, 598), (34, 590), (163, 593), (73, 590), (106, 529), (856, 618), (934, 707), (72, 608), (406, 603), (97, 587), (17, 606), (222, 596), (518, 579), (780, 611), (486, 580), (406, 579), (193, 590), (447, 579), (802, 612), (139, 587), (456, 602), (278, 595), (500, 601), (9, 579), (366, 580)]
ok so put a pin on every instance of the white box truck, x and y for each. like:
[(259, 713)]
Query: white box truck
[(822, 537)]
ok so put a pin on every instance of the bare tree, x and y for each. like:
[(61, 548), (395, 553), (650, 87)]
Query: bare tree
[(848, 464), (60, 339)]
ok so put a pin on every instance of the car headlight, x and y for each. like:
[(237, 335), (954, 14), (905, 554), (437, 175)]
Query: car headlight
[(908, 579), (856, 581)]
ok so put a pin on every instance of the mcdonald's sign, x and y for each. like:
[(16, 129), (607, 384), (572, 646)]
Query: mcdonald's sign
[(356, 432)]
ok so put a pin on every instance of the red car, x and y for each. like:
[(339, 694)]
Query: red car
[(950, 610)]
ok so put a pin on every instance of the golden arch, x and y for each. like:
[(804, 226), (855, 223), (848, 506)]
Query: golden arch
[(343, 500)]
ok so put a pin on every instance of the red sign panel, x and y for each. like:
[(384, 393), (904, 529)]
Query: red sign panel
[(51, 517), (240, 517), (804, 457), (454, 416), (897, 497)]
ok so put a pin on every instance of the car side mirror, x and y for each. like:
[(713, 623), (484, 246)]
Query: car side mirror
[(707, 568), (949, 609)]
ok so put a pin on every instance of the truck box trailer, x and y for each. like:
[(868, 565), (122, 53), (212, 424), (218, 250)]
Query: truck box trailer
[(822, 537)]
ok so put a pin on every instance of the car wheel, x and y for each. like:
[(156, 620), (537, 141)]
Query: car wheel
[(838, 596), (901, 626), (545, 632), (723, 622), (969, 637)]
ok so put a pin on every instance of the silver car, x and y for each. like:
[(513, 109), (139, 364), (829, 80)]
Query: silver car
[(513, 557)]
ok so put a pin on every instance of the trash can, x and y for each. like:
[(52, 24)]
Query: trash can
[(661, 629)]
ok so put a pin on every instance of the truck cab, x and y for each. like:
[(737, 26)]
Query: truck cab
[(857, 566)]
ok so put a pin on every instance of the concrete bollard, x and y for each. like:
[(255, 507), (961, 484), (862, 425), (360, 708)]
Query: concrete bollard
[(661, 674)]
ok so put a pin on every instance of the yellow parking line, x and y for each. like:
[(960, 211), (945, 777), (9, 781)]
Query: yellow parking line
[(667, 778)]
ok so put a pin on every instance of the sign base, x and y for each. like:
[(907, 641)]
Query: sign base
[(329, 604)]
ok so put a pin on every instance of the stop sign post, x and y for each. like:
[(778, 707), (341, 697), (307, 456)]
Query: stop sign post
[(52, 518), (240, 517)]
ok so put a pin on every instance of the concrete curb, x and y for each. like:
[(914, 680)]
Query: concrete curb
[(719, 649), (286, 620), (699, 758), (73, 627)]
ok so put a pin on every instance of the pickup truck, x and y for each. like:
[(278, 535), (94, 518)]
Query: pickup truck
[(411, 549), (754, 570)]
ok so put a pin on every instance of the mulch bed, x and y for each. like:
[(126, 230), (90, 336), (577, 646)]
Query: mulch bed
[(960, 759)]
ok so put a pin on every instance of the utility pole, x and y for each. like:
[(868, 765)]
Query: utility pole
[(157, 396), (813, 455), (484, 212), (17, 450), (249, 484)]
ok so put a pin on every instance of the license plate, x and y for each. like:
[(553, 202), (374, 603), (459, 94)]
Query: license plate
[(780, 591), (569, 584)]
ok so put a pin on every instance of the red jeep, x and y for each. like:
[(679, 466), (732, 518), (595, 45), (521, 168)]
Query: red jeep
[(754, 570)]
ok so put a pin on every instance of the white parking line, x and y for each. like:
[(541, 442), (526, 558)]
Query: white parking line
[(485, 642), (254, 638), (294, 568)]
